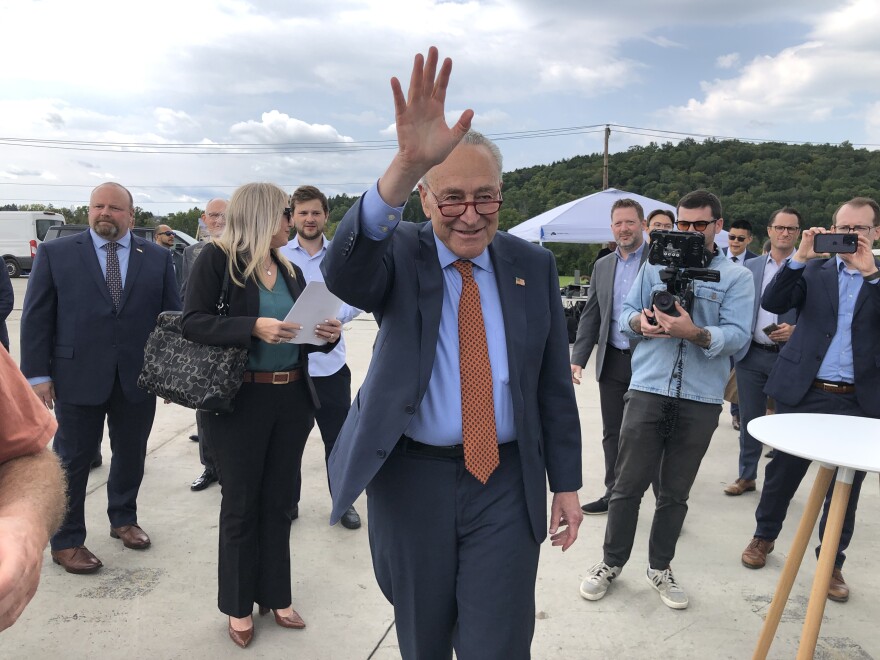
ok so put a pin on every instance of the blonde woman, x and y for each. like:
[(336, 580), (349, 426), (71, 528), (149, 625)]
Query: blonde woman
[(259, 445)]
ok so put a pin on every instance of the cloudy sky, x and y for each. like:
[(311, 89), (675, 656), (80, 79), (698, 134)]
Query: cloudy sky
[(183, 100)]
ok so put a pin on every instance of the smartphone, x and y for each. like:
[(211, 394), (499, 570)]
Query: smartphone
[(835, 243), (770, 328)]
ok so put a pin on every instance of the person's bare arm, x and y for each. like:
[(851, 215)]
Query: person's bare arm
[(32, 503)]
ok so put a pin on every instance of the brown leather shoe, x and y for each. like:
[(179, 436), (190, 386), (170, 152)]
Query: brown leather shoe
[(241, 637), (131, 536), (837, 589), (77, 560), (293, 620), (740, 486), (755, 554)]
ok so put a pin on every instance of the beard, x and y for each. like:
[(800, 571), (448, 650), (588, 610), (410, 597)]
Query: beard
[(106, 229)]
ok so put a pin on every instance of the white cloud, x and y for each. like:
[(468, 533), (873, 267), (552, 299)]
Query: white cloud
[(727, 61)]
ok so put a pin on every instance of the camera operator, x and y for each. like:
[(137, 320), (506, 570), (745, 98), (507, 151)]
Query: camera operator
[(675, 394)]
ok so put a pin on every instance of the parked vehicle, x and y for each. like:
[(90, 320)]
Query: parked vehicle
[(21, 232), (181, 238)]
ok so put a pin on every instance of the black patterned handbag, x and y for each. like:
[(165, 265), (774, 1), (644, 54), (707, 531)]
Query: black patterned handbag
[(188, 373)]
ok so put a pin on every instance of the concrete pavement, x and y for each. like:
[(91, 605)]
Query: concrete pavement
[(161, 603)]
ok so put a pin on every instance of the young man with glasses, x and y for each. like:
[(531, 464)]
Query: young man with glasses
[(739, 238), (679, 370), (829, 364), (660, 220), (756, 359)]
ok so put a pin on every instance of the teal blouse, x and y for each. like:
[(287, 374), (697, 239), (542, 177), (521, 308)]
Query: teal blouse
[(274, 357)]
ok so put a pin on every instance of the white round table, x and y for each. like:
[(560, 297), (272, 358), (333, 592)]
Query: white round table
[(839, 442)]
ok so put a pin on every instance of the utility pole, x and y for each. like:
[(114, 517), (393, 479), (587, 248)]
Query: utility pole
[(605, 160)]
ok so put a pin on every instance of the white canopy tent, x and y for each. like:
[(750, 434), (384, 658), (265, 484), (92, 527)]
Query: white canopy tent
[(586, 220)]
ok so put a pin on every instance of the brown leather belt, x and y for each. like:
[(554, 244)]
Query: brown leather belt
[(834, 388), (272, 377)]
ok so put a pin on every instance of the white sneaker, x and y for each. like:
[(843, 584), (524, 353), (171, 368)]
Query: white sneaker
[(670, 592), (598, 578)]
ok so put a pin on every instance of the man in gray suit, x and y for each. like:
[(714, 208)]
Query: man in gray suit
[(214, 219), (755, 360), (612, 278)]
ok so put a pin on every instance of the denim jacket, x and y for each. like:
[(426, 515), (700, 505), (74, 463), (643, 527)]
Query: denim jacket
[(723, 308)]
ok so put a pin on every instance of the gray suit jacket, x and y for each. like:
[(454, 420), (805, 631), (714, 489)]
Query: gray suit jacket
[(190, 254), (596, 318), (400, 281), (756, 267)]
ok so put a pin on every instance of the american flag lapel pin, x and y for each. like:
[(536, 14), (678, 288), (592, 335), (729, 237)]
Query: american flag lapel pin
[(520, 281)]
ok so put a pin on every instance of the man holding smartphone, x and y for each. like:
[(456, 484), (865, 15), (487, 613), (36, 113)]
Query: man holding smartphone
[(755, 360), (828, 366)]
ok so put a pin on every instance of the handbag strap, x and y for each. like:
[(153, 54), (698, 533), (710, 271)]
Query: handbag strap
[(223, 300)]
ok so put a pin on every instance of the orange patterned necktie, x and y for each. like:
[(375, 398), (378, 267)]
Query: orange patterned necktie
[(477, 404)]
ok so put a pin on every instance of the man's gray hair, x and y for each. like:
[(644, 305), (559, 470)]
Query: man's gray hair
[(477, 139)]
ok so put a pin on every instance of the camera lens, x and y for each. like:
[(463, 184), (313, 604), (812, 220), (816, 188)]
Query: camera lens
[(664, 302)]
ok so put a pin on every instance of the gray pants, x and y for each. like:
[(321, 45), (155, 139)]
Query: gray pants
[(642, 447)]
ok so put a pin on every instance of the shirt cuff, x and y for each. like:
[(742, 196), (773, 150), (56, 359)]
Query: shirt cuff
[(795, 265), (716, 341), (378, 220), (39, 380)]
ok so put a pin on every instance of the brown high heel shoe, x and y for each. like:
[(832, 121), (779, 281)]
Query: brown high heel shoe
[(293, 620), (241, 637)]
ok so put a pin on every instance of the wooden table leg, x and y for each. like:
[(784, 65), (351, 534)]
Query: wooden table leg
[(793, 561), (830, 543)]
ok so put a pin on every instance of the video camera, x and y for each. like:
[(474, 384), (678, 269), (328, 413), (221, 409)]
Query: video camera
[(685, 257)]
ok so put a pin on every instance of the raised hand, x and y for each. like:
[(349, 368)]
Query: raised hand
[(423, 137)]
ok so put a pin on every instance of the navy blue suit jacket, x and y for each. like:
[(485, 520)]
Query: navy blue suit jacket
[(401, 282), (813, 291), (69, 330), (746, 256)]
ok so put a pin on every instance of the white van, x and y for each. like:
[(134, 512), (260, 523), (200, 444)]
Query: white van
[(20, 234)]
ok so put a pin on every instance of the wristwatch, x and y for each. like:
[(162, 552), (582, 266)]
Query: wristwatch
[(873, 276)]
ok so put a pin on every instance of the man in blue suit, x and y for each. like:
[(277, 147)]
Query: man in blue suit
[(828, 366), (91, 302), (456, 474), (755, 360)]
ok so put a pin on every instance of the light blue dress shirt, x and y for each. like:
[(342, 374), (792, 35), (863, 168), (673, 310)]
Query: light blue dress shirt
[(837, 366), (625, 271), (437, 420)]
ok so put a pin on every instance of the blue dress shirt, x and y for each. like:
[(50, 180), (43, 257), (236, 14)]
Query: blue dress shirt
[(437, 420)]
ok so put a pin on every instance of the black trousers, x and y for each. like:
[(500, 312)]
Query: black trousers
[(784, 474), (206, 457), (456, 558), (334, 393), (256, 449), (80, 430), (642, 448)]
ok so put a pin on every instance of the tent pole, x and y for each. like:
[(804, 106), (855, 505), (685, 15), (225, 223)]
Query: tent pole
[(605, 160)]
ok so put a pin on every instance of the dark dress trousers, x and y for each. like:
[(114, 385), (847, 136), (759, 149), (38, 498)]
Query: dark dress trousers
[(256, 448), (813, 291), (7, 301), (71, 333), (476, 593)]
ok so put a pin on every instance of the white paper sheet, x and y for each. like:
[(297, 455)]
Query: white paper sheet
[(315, 305)]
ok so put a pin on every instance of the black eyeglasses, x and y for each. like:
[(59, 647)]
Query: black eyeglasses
[(165, 233), (699, 225), (458, 209), (738, 239)]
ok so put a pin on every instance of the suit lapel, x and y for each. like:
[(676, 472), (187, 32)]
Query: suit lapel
[(93, 267), (135, 261), (830, 280), (512, 284), (429, 295)]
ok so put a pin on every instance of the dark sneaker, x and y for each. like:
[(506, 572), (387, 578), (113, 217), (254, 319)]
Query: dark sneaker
[(596, 508)]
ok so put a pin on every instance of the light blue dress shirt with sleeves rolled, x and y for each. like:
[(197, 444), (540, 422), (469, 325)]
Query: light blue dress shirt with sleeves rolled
[(437, 421)]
